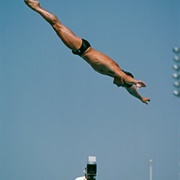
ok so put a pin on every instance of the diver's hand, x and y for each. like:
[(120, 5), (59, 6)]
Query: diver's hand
[(140, 84), (145, 100)]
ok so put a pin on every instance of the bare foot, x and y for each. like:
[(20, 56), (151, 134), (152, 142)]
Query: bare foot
[(32, 4)]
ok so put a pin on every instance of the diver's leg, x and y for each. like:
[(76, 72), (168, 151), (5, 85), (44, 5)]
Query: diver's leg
[(66, 35)]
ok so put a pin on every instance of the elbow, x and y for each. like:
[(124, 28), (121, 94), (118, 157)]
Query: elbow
[(123, 76), (128, 80)]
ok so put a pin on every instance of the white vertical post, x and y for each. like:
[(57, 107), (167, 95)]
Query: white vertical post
[(150, 169)]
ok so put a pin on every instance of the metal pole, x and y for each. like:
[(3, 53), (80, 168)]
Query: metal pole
[(150, 169)]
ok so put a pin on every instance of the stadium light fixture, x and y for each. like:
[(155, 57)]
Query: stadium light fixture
[(176, 75), (176, 58), (176, 50), (176, 67), (177, 84), (176, 93)]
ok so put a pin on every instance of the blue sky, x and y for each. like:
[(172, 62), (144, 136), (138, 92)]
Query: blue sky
[(56, 111)]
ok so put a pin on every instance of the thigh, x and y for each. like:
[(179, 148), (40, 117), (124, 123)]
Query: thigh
[(68, 37)]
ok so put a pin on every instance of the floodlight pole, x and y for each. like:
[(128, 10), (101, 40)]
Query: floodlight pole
[(150, 169)]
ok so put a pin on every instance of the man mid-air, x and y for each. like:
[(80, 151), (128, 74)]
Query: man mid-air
[(98, 61)]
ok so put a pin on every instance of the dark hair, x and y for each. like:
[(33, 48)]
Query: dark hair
[(128, 73)]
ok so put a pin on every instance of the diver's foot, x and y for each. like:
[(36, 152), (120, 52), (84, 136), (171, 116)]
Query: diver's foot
[(32, 4)]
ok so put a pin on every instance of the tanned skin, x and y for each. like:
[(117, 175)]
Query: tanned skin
[(98, 61)]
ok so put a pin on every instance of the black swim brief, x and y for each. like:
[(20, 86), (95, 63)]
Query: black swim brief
[(85, 45)]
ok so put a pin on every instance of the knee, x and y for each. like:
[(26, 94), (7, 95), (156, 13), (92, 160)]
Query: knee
[(53, 19)]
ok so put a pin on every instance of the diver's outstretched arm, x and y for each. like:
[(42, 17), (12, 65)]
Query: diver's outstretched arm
[(132, 90)]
